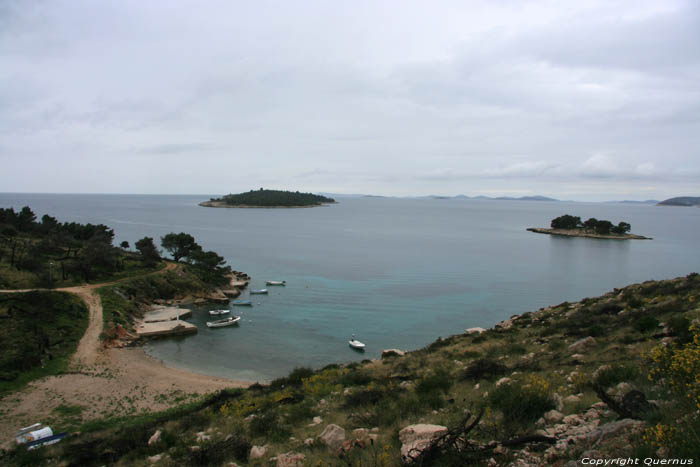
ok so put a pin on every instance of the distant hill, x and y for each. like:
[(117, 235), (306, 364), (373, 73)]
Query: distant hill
[(526, 198), (646, 201), (681, 201), (269, 199)]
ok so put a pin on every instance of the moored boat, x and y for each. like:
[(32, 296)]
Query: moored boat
[(276, 282), (218, 312), (258, 291), (219, 323), (242, 303), (355, 344)]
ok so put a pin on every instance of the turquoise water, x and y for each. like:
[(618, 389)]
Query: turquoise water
[(395, 272)]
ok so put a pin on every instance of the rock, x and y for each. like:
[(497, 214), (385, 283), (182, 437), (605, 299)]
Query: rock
[(573, 420), (290, 459), (375, 429), (308, 442), (256, 452), (347, 391), (572, 399), (474, 330), (415, 438), (406, 385), (373, 436), (623, 388), (553, 416), (316, 421), (360, 433), (503, 381), (332, 436), (558, 402), (577, 356), (582, 344), (155, 438), (201, 437), (392, 353), (611, 429), (156, 458), (195, 448)]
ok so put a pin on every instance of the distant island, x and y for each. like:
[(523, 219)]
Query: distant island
[(681, 201), (572, 226), (268, 199)]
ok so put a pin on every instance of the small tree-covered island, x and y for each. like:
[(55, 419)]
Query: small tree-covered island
[(572, 226), (268, 199)]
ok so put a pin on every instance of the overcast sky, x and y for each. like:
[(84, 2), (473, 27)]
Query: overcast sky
[(586, 100)]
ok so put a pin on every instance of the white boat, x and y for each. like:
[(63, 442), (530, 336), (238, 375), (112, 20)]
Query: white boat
[(355, 344), (276, 282), (218, 312), (220, 323), (258, 291)]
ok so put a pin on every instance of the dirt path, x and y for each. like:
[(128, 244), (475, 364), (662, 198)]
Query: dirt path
[(102, 382)]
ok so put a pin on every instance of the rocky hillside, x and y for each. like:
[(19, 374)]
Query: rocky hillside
[(615, 376)]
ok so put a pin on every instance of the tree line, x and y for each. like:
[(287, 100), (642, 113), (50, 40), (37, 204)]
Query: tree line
[(264, 197), (53, 250), (601, 227)]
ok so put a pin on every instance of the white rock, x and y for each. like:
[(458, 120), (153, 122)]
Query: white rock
[(582, 344), (155, 438), (406, 385), (572, 399), (415, 438), (360, 433), (474, 330), (392, 353), (573, 420), (553, 416), (502, 381), (308, 441), (256, 452), (156, 458), (316, 421), (577, 356), (332, 436)]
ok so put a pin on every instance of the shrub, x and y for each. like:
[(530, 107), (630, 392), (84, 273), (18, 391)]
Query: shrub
[(616, 374), (523, 403), (646, 323), (438, 381), (294, 378), (484, 368), (680, 327)]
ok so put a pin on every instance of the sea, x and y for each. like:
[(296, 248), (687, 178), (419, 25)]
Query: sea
[(395, 272)]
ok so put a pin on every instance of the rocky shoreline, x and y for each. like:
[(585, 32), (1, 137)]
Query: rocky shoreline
[(583, 233)]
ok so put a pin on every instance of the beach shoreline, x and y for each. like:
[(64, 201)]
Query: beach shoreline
[(101, 389)]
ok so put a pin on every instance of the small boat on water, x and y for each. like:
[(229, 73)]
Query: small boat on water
[(276, 282), (258, 291), (218, 312), (355, 344), (220, 323), (242, 303)]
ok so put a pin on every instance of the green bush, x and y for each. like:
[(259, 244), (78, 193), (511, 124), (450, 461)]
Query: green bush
[(522, 403), (646, 323), (616, 374), (439, 381), (484, 368), (680, 327)]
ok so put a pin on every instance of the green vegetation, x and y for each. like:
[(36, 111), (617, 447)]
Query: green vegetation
[(49, 253), (39, 332), (122, 302), (592, 225), (208, 265), (273, 198), (511, 375)]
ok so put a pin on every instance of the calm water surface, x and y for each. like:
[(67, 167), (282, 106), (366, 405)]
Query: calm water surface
[(395, 272)]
